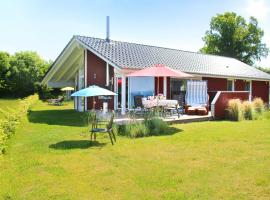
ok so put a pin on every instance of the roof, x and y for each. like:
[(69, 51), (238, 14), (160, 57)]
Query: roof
[(127, 55)]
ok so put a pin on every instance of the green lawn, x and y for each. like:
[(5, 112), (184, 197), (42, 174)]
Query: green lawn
[(51, 158)]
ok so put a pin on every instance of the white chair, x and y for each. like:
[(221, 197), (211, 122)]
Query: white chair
[(196, 95)]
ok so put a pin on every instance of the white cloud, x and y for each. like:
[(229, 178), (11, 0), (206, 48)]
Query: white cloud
[(258, 9)]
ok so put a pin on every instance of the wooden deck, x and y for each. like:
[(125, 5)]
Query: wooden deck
[(170, 119)]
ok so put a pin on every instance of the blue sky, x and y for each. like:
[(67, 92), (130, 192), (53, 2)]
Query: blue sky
[(46, 26)]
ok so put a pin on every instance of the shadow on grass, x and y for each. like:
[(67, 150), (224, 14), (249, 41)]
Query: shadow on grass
[(172, 131), (169, 131), (56, 117), (75, 144)]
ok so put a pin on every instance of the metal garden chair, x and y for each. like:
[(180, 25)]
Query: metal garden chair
[(108, 129)]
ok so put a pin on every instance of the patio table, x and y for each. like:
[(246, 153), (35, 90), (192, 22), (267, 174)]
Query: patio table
[(159, 103)]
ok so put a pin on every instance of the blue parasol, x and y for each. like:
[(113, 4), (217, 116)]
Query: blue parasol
[(93, 91)]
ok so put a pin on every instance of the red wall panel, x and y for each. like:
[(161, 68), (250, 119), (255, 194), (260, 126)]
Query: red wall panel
[(222, 103), (168, 87), (239, 85), (261, 89), (96, 75), (158, 88), (216, 84)]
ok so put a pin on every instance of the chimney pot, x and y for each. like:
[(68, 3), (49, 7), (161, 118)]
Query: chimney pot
[(108, 28)]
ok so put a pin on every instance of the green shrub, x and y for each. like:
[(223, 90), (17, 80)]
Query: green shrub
[(258, 105), (3, 138), (88, 117), (132, 130), (12, 118), (138, 130), (266, 115), (149, 127), (235, 110), (8, 127), (248, 110), (157, 126)]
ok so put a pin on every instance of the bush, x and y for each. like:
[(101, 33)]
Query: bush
[(138, 130), (45, 93), (258, 105), (235, 110), (149, 127), (132, 130), (248, 110), (12, 118), (3, 138), (157, 126)]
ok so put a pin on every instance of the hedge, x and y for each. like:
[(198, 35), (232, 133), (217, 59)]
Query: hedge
[(12, 118)]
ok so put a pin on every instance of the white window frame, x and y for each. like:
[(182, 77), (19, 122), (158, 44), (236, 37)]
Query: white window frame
[(269, 94), (233, 81), (250, 89)]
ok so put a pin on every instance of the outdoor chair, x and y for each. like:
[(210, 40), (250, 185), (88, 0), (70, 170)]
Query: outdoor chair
[(181, 104), (196, 97), (108, 129), (170, 110), (59, 101), (139, 108)]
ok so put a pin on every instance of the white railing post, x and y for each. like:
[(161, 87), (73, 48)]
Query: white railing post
[(123, 96), (214, 102), (165, 86)]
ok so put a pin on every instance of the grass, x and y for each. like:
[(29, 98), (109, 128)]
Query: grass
[(50, 157)]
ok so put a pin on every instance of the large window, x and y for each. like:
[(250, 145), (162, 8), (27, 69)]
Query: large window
[(177, 87), (269, 94), (247, 86), (230, 85)]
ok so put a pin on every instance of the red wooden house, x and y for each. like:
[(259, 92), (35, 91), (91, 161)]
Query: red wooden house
[(86, 61)]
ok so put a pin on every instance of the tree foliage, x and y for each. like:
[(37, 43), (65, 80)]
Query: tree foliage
[(264, 69), (230, 35), (4, 67), (21, 72)]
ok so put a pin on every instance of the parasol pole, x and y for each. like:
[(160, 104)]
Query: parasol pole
[(93, 102)]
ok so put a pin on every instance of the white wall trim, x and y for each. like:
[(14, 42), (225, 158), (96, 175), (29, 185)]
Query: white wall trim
[(123, 96), (214, 102), (85, 77), (59, 60), (107, 74), (250, 88), (165, 86)]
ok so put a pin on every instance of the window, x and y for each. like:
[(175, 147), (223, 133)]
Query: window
[(229, 85), (177, 87), (269, 94), (247, 86)]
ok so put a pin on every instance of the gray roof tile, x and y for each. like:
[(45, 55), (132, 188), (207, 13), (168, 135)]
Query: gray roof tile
[(138, 56)]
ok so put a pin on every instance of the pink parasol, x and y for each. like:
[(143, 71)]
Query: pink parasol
[(159, 70)]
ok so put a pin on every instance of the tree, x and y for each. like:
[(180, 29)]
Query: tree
[(264, 69), (26, 69), (4, 73), (230, 35)]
